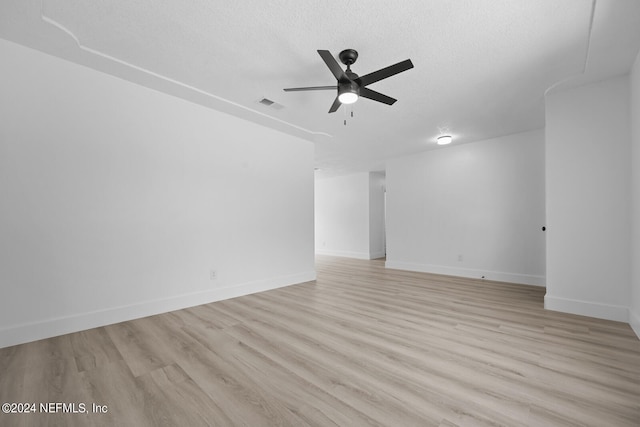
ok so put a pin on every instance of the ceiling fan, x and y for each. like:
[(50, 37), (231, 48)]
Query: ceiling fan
[(350, 86)]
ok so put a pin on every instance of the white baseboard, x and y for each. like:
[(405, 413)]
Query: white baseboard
[(618, 313), (634, 322), (525, 279), (48, 328), (344, 254)]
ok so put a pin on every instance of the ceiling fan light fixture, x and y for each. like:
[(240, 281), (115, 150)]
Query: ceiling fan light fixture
[(348, 97), (348, 93), (444, 140)]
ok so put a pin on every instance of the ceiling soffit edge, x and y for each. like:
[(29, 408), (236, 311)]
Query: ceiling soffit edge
[(183, 90)]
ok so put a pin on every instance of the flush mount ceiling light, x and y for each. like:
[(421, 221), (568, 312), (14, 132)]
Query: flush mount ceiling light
[(444, 140)]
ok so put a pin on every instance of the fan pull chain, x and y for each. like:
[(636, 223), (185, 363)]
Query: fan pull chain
[(350, 113)]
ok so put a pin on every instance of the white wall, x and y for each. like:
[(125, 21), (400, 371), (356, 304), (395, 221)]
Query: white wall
[(376, 215), (471, 210), (588, 173), (349, 215), (116, 201), (342, 216), (634, 312)]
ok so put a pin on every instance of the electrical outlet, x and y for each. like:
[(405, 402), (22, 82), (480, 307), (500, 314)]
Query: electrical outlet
[(213, 274), (460, 258)]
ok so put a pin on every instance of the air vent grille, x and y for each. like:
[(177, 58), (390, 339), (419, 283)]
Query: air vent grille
[(270, 104)]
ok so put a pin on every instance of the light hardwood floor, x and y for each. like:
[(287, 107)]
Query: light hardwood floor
[(360, 346)]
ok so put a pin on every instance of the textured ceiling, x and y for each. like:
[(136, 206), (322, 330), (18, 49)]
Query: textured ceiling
[(481, 66)]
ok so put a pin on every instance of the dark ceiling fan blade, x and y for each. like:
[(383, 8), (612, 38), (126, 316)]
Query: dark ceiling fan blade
[(383, 73), (365, 92), (293, 89), (333, 65), (336, 104)]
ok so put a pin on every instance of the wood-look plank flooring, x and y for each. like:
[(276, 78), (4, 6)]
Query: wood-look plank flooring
[(361, 346)]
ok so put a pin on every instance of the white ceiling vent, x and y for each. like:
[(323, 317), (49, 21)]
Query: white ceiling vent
[(271, 104)]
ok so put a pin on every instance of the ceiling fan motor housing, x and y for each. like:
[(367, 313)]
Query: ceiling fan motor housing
[(348, 86)]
